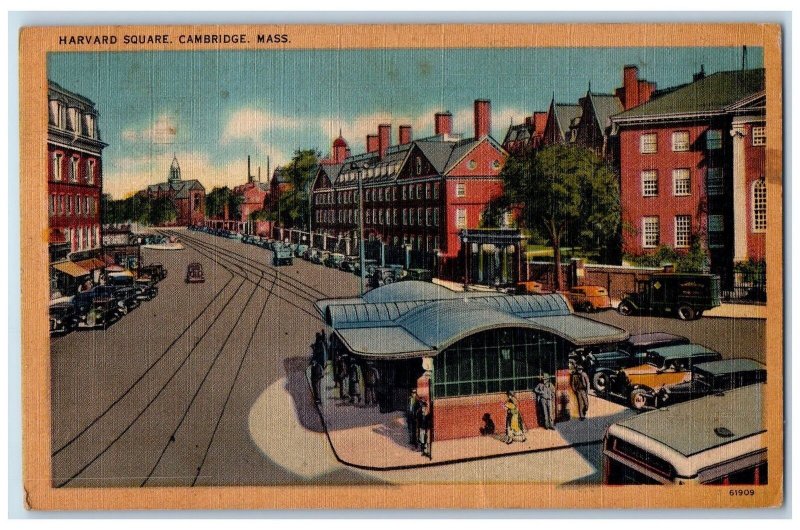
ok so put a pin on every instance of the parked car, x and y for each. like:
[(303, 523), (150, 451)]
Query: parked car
[(194, 273), (421, 275), (100, 313), (300, 249), (589, 298), (350, 263), (384, 275), (668, 365), (143, 290), (63, 318), (682, 294), (529, 287), (125, 297), (713, 378), (602, 364), (156, 271), (369, 264), (320, 257), (334, 260), (282, 255)]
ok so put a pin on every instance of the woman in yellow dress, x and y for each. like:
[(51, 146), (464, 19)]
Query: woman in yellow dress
[(515, 427)]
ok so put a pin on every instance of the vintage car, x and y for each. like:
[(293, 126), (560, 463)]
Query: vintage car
[(369, 264), (682, 294), (422, 275), (144, 287), (668, 365), (334, 260), (99, 313), (63, 318), (588, 298), (713, 378), (350, 263), (282, 254), (147, 288), (194, 273), (156, 271), (529, 287), (300, 249), (602, 364), (319, 257), (124, 297), (384, 275)]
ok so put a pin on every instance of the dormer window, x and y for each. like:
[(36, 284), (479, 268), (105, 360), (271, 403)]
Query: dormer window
[(419, 165)]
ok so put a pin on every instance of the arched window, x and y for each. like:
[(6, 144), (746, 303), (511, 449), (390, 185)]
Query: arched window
[(759, 202)]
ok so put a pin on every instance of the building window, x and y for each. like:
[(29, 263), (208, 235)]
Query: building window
[(405, 216), (419, 217), (714, 182), (52, 205), (508, 219), (651, 232), (461, 189), (713, 139), (419, 191), (369, 216), (394, 216), (411, 216), (683, 230), (471, 165), (428, 244), (419, 242), (681, 182), (69, 204), (716, 227), (197, 202), (419, 165), (435, 190), (650, 183), (428, 190), (61, 204), (436, 217), (405, 192), (759, 206), (57, 166), (380, 194), (496, 165), (428, 220), (461, 218), (78, 204), (436, 243), (680, 141), (648, 143), (759, 136)]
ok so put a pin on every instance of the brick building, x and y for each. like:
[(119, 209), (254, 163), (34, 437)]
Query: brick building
[(254, 193), (75, 175), (692, 164), (188, 196), (417, 193), (526, 136)]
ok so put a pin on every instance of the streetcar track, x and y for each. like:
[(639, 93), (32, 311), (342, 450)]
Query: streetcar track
[(160, 391), (149, 368)]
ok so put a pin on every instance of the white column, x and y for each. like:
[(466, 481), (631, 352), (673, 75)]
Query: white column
[(739, 132)]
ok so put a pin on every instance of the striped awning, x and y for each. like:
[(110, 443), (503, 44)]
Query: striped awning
[(70, 268), (91, 263)]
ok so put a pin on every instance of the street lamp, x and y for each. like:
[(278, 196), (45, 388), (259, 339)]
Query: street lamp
[(466, 261), (359, 168)]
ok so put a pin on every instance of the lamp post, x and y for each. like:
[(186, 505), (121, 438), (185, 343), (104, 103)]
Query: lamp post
[(359, 172), (466, 262)]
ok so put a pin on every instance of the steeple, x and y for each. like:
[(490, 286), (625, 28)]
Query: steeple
[(174, 170)]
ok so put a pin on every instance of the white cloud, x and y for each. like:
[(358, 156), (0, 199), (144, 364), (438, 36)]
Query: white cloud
[(163, 131)]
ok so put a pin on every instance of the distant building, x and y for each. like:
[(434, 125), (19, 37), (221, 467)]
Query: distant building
[(692, 164), (526, 136), (75, 174), (188, 196), (253, 193)]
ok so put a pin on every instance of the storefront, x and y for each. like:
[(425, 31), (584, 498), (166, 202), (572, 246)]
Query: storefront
[(464, 351)]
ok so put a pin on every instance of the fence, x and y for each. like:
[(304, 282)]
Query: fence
[(746, 288)]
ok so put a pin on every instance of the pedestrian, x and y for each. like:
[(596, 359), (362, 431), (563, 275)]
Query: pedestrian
[(317, 374), (411, 417), (343, 376), (515, 429), (579, 382), (354, 379), (545, 397), (371, 377), (425, 426)]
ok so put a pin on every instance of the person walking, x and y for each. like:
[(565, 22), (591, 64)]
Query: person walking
[(317, 374), (371, 377), (545, 397), (354, 379), (425, 425), (343, 377), (579, 382), (411, 417), (515, 429)]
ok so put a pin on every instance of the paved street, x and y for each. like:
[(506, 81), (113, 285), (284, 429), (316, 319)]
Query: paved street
[(205, 384)]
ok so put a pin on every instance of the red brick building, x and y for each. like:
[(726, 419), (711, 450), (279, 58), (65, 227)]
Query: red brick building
[(75, 174), (419, 193), (254, 194), (692, 164), (526, 136), (188, 196)]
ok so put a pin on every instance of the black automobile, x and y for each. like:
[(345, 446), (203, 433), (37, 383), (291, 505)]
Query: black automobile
[(125, 298), (155, 270), (385, 275), (350, 263), (144, 288), (63, 318), (98, 313), (369, 264), (600, 365), (682, 294), (713, 378), (421, 275)]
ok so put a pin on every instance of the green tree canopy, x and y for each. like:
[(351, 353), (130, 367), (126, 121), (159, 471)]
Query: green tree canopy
[(564, 189), (293, 208), (216, 200)]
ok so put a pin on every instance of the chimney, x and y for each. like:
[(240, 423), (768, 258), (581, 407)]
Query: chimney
[(529, 121), (249, 175), (539, 121), (372, 143), (443, 123), (646, 90), (630, 86), (405, 134), (700, 75), (384, 138), (483, 117)]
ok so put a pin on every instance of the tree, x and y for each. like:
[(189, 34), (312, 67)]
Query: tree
[(218, 198), (293, 208), (162, 211), (564, 189)]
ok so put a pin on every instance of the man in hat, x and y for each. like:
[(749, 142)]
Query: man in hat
[(425, 425), (317, 375), (579, 382), (411, 417), (545, 397)]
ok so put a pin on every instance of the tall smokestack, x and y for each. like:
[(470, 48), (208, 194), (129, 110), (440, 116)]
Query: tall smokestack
[(259, 173), (405, 134), (384, 138), (483, 117), (372, 143), (249, 175), (443, 123)]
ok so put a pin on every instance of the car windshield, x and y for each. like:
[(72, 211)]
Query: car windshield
[(703, 379), (654, 359)]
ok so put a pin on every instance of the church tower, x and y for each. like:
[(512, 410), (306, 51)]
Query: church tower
[(174, 170)]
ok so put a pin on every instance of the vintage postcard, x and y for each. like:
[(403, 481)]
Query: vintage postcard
[(402, 266)]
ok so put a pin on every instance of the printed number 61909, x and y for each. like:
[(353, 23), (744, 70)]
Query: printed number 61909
[(742, 493)]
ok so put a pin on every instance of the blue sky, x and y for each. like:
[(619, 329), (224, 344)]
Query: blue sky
[(213, 108)]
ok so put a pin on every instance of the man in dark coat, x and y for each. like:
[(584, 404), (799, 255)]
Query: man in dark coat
[(342, 376), (411, 417), (545, 397), (371, 377), (579, 382), (317, 374), (425, 426)]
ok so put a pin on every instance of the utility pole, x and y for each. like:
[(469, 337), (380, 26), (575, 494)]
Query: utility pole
[(359, 171)]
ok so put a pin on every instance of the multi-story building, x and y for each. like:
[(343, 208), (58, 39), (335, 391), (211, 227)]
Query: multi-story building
[(526, 136), (188, 196), (692, 164), (75, 174), (253, 193), (418, 193)]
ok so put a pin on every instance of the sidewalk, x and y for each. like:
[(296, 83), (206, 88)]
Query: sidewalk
[(362, 437)]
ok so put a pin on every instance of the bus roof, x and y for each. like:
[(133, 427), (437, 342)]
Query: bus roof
[(699, 425)]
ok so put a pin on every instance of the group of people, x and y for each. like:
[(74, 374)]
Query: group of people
[(354, 381), (419, 420)]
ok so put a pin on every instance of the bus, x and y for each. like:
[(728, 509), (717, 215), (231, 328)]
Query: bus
[(719, 439)]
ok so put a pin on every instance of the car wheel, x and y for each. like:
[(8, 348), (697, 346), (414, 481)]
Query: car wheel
[(600, 382), (686, 312), (639, 399), (625, 308)]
